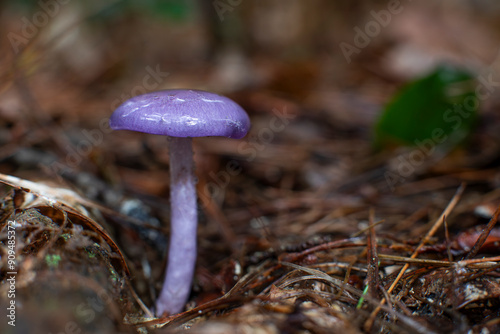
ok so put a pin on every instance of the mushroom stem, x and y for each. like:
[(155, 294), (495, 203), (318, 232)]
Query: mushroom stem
[(182, 249)]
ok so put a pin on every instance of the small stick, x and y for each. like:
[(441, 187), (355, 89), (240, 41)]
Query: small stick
[(482, 238), (451, 205), (372, 257)]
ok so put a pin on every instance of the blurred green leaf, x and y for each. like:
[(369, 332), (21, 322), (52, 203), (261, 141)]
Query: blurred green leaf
[(171, 9), (441, 107), (178, 10)]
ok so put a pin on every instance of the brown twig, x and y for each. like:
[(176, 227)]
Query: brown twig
[(437, 224), (484, 235), (372, 258)]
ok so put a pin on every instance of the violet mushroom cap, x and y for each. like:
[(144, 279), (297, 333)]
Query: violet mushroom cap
[(181, 114)]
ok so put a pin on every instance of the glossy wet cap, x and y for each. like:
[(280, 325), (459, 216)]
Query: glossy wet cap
[(182, 113)]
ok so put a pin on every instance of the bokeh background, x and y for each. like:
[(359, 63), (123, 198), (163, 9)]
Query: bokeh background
[(324, 69), (68, 64)]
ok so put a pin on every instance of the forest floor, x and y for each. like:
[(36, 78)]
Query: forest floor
[(315, 231)]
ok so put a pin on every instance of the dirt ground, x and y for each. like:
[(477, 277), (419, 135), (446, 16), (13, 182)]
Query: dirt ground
[(305, 226)]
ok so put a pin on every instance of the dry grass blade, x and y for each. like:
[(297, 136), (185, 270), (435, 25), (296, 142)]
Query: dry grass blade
[(431, 232), (61, 206), (344, 243), (232, 298), (475, 263), (451, 205), (372, 257), (318, 274), (485, 261), (414, 325), (62, 257), (323, 276), (409, 260)]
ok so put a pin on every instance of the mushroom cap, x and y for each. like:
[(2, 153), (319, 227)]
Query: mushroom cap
[(182, 113)]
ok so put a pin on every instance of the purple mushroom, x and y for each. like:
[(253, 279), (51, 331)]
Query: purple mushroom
[(181, 114)]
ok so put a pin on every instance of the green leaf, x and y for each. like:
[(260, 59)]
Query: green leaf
[(179, 10), (176, 10), (440, 107), (52, 260)]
